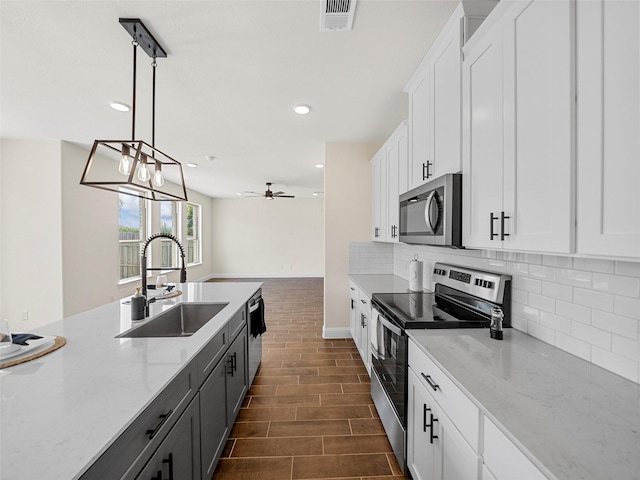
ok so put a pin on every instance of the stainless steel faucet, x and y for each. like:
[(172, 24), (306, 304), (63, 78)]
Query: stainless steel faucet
[(143, 263)]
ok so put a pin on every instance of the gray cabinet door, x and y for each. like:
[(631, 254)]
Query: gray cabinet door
[(213, 418), (237, 375), (178, 457)]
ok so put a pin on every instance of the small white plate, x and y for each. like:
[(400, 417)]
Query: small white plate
[(9, 350), (35, 346)]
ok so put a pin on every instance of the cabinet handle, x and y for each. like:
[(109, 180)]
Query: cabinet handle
[(234, 357), (431, 383), (169, 460), (352, 289), (157, 476), (163, 419), (353, 305), (502, 218), (425, 170), (432, 437), (424, 417), (230, 362), (491, 219), (376, 232), (363, 302), (362, 320)]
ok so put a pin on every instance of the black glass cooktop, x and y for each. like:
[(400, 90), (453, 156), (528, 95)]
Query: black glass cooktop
[(426, 310)]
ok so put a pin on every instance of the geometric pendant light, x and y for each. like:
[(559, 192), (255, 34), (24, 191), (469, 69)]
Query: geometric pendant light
[(134, 167)]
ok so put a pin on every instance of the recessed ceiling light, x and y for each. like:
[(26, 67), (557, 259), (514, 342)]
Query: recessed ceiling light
[(239, 194), (211, 158), (319, 165), (302, 109), (121, 107), (315, 194), (192, 165)]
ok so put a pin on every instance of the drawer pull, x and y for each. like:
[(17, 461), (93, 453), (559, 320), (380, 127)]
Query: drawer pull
[(157, 476), (363, 302), (431, 383), (424, 417), (163, 419), (230, 362), (169, 460)]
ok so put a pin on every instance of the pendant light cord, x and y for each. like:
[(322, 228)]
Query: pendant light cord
[(154, 64), (133, 109)]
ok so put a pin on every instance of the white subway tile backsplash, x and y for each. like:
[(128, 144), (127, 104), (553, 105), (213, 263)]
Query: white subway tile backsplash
[(625, 326), (630, 269), (542, 303), (577, 278), (590, 298), (573, 312), (573, 345), (587, 307), (557, 291), (553, 261), (555, 322), (541, 332), (616, 363), (543, 273), (591, 335), (528, 284), (594, 265), (626, 347), (629, 307), (619, 285)]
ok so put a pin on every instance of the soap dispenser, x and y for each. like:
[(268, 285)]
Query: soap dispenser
[(138, 304)]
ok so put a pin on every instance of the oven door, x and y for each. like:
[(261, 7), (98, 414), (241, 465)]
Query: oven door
[(389, 361)]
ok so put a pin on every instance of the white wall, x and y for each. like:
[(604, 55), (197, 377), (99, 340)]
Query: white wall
[(59, 249), (31, 247), (267, 238), (347, 191)]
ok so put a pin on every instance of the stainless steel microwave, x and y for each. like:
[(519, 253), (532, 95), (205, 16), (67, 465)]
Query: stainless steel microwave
[(432, 213)]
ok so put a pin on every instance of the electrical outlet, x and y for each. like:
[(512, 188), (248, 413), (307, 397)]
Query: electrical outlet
[(25, 315)]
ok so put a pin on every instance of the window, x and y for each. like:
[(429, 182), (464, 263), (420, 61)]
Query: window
[(193, 233), (132, 216), (169, 224)]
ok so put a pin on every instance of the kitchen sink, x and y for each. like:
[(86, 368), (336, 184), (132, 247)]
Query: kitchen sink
[(183, 320)]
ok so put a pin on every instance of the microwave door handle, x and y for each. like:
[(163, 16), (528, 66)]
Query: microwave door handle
[(427, 215)]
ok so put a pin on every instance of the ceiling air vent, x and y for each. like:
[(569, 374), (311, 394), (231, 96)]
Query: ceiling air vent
[(337, 15)]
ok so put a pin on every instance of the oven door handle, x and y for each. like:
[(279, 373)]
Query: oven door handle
[(253, 308), (389, 326)]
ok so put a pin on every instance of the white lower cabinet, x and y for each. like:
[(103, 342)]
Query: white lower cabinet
[(360, 317), (442, 424), (436, 449), (503, 460)]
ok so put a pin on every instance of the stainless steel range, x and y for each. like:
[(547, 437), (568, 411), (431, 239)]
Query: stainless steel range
[(463, 298)]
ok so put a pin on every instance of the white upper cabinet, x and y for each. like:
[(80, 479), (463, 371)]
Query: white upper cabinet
[(608, 137), (388, 166), (518, 146), (435, 125)]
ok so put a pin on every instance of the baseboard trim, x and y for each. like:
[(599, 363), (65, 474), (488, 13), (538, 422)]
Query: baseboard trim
[(258, 275), (340, 332)]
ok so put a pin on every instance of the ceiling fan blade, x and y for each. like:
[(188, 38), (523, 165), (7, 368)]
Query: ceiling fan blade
[(284, 196), (278, 193)]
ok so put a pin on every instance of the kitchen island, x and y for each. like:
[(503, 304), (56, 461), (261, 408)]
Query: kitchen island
[(571, 419), (61, 412)]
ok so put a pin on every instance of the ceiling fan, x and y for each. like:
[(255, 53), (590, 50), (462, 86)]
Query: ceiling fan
[(269, 195)]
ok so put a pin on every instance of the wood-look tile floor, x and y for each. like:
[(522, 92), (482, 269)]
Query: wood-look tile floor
[(308, 414)]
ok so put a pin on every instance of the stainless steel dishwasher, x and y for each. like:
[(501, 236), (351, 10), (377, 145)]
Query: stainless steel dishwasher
[(257, 327)]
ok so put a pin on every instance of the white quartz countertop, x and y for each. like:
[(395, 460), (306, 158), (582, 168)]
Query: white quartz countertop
[(574, 420), (60, 412), (371, 284)]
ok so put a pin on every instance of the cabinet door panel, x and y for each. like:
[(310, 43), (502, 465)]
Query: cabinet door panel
[(539, 103), (608, 79), (237, 376), (178, 456), (421, 453), (379, 196), (393, 204), (419, 131), (213, 414), (482, 145), (445, 102), (458, 458)]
